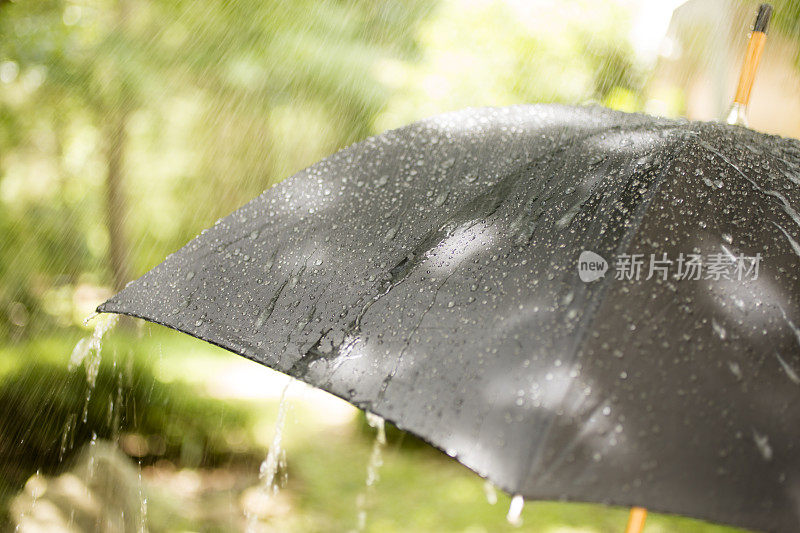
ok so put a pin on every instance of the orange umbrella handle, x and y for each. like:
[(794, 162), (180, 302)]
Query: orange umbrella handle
[(636, 520), (751, 60), (754, 49)]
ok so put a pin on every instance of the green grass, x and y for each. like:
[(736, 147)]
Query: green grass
[(51, 412), (422, 490), (167, 377)]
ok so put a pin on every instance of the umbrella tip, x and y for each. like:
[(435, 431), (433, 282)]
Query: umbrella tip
[(762, 19)]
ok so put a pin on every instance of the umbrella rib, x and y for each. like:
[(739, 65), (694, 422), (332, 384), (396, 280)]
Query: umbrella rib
[(584, 328)]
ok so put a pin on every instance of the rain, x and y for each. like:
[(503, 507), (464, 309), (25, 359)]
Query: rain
[(528, 265)]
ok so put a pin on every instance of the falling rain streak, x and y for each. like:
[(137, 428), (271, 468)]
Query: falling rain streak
[(373, 468), (514, 515), (87, 352), (273, 463)]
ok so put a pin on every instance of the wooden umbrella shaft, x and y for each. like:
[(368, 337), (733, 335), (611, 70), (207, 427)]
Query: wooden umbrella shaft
[(754, 49)]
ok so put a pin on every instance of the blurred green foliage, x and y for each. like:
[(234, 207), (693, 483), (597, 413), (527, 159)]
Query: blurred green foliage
[(786, 19)]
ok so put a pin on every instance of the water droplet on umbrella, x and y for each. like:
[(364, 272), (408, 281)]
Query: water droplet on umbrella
[(790, 372), (392, 233), (718, 329), (733, 366), (762, 443)]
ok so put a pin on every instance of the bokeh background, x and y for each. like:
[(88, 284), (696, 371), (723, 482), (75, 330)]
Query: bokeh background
[(128, 126)]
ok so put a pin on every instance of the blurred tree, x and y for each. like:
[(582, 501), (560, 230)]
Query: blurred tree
[(614, 69), (116, 108)]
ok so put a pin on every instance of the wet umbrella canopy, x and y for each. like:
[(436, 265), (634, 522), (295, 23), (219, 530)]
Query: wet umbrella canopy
[(431, 275)]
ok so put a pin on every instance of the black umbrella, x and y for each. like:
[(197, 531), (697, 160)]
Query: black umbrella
[(434, 275)]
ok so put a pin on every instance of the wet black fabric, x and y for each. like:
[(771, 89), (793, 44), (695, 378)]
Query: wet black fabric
[(430, 275)]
